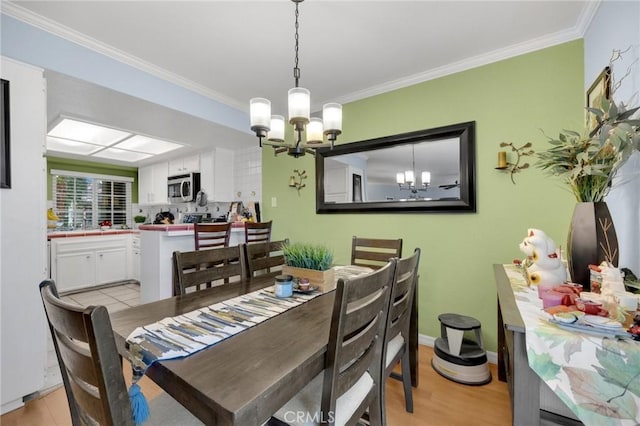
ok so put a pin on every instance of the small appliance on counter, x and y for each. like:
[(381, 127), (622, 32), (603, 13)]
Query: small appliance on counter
[(195, 217), (165, 218)]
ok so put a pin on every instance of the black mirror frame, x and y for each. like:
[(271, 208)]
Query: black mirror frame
[(466, 132)]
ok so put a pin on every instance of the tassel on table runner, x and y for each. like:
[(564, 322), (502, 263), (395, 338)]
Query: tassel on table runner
[(139, 405)]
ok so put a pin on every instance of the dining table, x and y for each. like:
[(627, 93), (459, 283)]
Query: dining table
[(247, 377)]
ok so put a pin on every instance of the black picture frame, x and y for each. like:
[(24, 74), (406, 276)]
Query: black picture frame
[(357, 188), (5, 135), (600, 88)]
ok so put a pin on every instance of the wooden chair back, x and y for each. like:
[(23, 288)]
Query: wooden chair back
[(257, 232), (396, 340), (89, 361), (196, 270), (264, 257), (209, 235), (354, 353), (374, 252)]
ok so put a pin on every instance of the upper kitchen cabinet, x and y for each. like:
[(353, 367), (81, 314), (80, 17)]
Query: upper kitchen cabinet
[(216, 174), (152, 184), (181, 166)]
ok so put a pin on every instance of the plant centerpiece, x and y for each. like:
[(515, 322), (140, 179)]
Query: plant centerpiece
[(588, 162), (310, 261)]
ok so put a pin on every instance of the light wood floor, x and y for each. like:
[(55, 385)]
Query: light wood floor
[(437, 402)]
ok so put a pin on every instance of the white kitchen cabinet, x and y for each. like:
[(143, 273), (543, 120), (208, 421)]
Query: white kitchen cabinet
[(134, 271), (74, 270), (111, 265), (152, 184), (81, 262), (216, 174), (180, 166)]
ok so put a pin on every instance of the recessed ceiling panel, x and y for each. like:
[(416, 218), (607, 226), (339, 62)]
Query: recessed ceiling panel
[(71, 147), (148, 145), (86, 132), (122, 155)]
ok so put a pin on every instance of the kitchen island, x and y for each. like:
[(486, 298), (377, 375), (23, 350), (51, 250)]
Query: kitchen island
[(157, 244)]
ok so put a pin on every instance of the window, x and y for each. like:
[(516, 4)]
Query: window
[(84, 200)]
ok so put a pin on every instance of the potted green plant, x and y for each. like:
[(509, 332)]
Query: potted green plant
[(588, 162), (138, 219), (311, 261)]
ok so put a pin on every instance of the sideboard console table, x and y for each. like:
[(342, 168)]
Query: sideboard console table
[(532, 402)]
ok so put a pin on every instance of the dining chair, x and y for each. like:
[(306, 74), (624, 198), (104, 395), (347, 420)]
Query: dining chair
[(374, 252), (196, 270), (257, 232), (209, 235), (350, 384), (396, 341), (92, 368), (264, 257)]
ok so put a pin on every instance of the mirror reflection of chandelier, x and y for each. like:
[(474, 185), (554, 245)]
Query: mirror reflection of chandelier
[(272, 126), (407, 180)]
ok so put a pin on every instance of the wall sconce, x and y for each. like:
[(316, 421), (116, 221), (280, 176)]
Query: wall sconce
[(296, 182), (516, 167)]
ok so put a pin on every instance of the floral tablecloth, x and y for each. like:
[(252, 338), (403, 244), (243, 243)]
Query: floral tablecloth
[(597, 377)]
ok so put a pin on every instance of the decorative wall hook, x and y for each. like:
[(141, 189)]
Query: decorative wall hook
[(516, 167), (296, 182)]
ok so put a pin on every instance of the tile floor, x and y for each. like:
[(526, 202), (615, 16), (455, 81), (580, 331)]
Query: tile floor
[(115, 299)]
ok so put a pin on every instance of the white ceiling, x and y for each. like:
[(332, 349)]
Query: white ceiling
[(234, 50)]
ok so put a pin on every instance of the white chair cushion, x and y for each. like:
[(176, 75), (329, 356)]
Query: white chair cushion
[(304, 408), (393, 347)]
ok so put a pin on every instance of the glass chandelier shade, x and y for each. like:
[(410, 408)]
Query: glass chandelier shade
[(407, 179), (299, 109)]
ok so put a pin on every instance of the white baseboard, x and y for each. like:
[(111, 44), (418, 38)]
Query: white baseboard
[(425, 340), (11, 405)]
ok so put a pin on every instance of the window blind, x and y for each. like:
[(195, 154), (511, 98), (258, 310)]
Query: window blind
[(84, 201)]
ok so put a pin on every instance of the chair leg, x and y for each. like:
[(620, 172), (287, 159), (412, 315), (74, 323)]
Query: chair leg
[(376, 410), (406, 382), (383, 400)]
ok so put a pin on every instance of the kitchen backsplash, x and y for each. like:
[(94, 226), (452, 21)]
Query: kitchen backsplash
[(215, 209)]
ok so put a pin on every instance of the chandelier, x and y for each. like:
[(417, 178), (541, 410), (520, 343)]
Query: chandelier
[(299, 100), (407, 180)]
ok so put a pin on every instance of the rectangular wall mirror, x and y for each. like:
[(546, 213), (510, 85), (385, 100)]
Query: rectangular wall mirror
[(431, 170)]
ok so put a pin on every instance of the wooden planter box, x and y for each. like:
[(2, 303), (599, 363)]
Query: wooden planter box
[(325, 280)]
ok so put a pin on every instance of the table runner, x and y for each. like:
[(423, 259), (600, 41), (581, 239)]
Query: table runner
[(186, 334), (597, 377)]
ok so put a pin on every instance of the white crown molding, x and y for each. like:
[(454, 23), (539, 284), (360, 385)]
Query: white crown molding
[(55, 28), (528, 46), (578, 31)]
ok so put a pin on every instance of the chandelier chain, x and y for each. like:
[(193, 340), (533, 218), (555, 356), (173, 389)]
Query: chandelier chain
[(296, 70)]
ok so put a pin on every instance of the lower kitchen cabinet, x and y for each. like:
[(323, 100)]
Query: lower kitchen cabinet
[(81, 262), (134, 273)]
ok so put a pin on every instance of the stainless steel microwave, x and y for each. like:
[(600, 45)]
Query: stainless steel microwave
[(183, 188)]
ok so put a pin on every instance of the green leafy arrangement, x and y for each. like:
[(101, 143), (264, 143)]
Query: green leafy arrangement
[(589, 161), (139, 219), (308, 256)]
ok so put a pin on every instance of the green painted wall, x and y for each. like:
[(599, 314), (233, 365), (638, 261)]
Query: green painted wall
[(511, 100), (56, 163)]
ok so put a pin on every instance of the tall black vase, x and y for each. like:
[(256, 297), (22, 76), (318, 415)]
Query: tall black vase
[(592, 239)]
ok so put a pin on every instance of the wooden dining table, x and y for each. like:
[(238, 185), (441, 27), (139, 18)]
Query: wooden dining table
[(247, 377)]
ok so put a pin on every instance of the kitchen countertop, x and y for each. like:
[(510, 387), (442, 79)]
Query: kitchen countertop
[(89, 233), (179, 227)]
